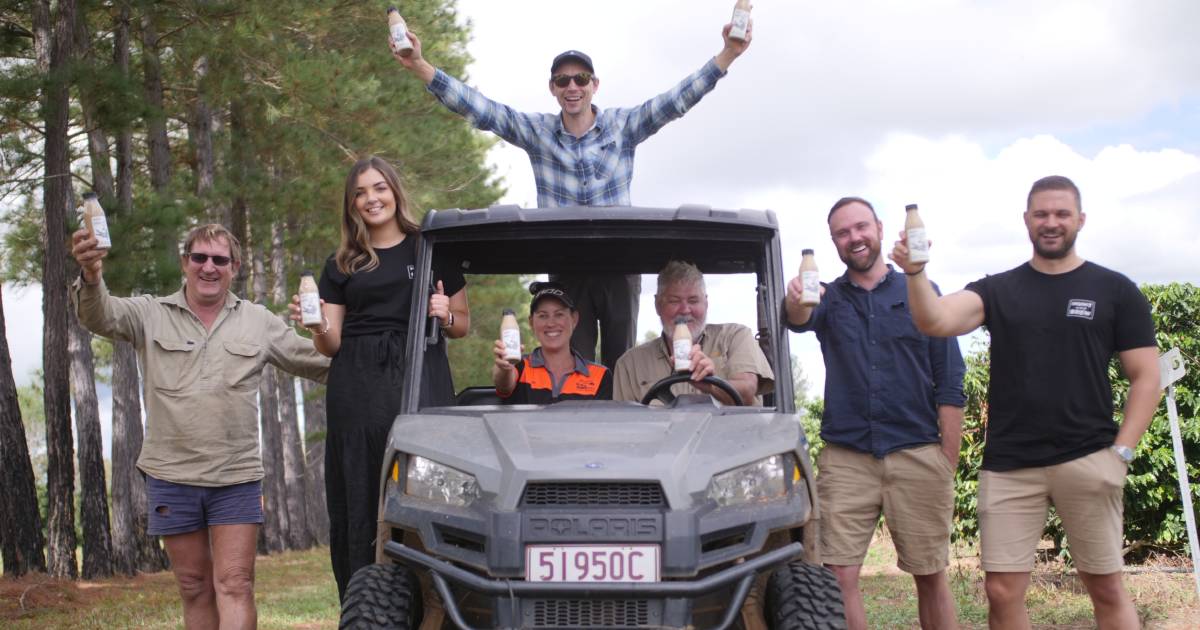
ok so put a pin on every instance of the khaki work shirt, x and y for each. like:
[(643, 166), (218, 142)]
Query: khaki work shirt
[(731, 347), (200, 386)]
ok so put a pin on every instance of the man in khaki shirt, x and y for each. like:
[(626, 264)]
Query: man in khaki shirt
[(727, 351), (202, 350)]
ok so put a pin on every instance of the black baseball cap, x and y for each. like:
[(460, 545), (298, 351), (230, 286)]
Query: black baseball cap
[(572, 55), (542, 290)]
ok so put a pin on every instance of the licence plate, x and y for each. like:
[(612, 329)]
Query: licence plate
[(591, 563)]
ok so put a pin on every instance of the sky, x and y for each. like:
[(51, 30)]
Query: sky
[(958, 106)]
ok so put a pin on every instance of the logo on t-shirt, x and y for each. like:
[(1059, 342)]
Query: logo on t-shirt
[(412, 271), (1085, 309)]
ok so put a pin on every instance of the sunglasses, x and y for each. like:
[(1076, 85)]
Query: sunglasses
[(563, 80), (200, 259)]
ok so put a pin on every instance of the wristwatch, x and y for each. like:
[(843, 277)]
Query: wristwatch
[(449, 321), (1124, 452)]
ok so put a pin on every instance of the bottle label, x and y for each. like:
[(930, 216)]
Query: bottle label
[(683, 354), (100, 229), (812, 287), (400, 36), (740, 22), (918, 245), (310, 309), (512, 343)]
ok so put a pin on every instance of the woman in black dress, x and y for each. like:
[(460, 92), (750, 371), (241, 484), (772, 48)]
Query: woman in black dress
[(366, 292)]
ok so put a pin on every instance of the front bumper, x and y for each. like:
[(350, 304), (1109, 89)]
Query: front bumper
[(739, 575)]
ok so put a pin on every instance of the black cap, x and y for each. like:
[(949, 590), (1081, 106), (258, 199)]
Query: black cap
[(541, 290), (572, 55), (807, 252)]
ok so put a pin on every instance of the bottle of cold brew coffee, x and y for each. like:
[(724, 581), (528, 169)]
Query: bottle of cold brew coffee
[(310, 301), (741, 20), (510, 334), (399, 32), (681, 345), (914, 228), (811, 294), (95, 222)]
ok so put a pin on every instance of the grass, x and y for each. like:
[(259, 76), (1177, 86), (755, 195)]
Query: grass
[(296, 590), (292, 590), (1056, 598)]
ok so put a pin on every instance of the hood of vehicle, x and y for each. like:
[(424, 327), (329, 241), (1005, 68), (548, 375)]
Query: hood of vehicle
[(680, 449)]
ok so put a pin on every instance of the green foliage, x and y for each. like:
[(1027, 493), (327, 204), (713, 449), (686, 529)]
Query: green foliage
[(1153, 512), (471, 357), (966, 482)]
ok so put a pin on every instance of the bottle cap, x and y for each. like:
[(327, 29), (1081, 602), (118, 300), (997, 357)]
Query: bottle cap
[(393, 9), (509, 311), (806, 252), (680, 320), (87, 196), (306, 272), (910, 207)]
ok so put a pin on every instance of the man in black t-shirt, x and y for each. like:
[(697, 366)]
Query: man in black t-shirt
[(1055, 323)]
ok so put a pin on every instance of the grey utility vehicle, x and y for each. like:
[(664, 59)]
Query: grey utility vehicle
[(600, 514)]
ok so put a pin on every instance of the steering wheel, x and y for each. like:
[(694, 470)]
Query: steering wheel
[(662, 389)]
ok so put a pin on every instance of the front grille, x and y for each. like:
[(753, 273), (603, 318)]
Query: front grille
[(598, 494), (583, 613)]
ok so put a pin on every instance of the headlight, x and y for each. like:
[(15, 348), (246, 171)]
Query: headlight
[(764, 480), (432, 481)]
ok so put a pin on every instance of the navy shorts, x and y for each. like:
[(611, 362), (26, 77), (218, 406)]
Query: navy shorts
[(177, 508)]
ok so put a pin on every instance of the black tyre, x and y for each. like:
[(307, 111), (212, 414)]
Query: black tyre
[(382, 596), (804, 596)]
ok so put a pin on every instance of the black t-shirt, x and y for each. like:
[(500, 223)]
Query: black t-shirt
[(1053, 335), (378, 300)]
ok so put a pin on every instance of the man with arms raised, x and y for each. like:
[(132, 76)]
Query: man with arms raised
[(1055, 322), (727, 351), (892, 422), (202, 350), (582, 156)]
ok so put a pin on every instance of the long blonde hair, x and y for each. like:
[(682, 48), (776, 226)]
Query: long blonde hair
[(355, 252)]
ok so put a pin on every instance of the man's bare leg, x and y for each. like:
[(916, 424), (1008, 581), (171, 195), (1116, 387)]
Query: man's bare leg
[(233, 549), (192, 565), (935, 602), (1111, 603), (852, 599), (1006, 600)]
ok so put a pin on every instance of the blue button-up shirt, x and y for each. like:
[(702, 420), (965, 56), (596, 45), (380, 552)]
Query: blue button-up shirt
[(594, 169), (884, 380)]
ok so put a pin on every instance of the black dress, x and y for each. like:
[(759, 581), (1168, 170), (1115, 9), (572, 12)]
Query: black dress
[(364, 390)]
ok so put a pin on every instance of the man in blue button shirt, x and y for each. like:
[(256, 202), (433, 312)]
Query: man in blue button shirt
[(582, 156), (892, 423)]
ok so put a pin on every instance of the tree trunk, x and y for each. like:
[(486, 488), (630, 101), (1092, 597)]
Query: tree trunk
[(134, 549), (314, 456), (240, 161), (275, 521), (289, 423), (124, 190), (93, 499), (200, 132), (98, 148), (21, 544), (156, 120), (57, 395)]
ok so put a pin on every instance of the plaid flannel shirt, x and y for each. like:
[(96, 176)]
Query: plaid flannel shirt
[(593, 170)]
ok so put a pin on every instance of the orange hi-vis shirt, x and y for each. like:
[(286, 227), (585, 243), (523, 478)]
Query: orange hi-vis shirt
[(537, 386)]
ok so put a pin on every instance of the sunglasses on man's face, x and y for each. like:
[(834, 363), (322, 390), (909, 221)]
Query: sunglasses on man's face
[(563, 80), (200, 259)]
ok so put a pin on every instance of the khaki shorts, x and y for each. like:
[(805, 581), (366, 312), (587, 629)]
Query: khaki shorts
[(1086, 493), (912, 488)]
